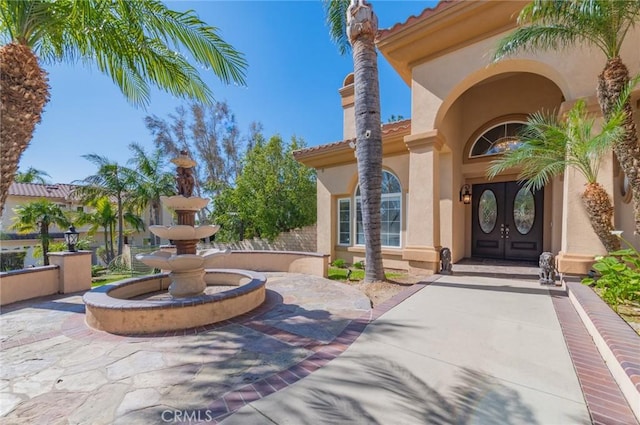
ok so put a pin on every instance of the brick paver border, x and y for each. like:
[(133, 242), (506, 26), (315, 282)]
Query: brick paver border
[(605, 401)]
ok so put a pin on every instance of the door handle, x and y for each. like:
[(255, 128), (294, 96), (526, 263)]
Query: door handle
[(504, 231)]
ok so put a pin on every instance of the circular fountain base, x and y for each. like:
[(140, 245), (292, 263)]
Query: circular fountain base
[(123, 308)]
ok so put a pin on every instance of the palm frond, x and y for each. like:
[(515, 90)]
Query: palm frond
[(336, 20), (556, 24), (138, 44)]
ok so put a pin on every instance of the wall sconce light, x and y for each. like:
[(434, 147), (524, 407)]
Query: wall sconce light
[(71, 238), (465, 194)]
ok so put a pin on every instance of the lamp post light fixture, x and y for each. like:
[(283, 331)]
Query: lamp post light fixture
[(465, 194), (71, 238)]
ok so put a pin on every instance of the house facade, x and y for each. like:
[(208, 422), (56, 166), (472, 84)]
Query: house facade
[(466, 110), (61, 194)]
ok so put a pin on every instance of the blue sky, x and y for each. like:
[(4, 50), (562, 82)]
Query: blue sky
[(293, 78)]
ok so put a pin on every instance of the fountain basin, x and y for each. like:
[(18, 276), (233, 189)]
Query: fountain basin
[(111, 308), (184, 203), (184, 232)]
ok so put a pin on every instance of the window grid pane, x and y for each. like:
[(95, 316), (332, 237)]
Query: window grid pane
[(390, 212), (344, 221)]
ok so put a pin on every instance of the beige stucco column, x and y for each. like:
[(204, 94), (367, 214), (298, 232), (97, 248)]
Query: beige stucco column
[(422, 246), (579, 242), (324, 224), (75, 270)]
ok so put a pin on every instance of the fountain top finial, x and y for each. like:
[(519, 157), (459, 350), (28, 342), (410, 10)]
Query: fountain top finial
[(183, 160), (184, 174)]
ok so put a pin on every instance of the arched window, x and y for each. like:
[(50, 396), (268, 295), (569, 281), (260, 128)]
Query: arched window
[(498, 139), (390, 212)]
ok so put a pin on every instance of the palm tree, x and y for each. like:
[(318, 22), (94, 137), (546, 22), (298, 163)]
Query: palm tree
[(37, 216), (102, 216), (552, 24), (136, 43), (112, 181), (549, 146), (356, 23), (149, 182), (32, 175)]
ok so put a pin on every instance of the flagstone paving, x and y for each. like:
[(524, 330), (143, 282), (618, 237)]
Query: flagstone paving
[(57, 370)]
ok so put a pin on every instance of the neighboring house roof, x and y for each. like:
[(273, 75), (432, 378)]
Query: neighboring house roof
[(37, 190), (325, 155)]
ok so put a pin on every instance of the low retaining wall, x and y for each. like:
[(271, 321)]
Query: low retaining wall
[(69, 272), (617, 342), (19, 285), (310, 263)]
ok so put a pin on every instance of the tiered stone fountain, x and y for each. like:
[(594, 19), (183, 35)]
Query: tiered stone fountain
[(186, 265), (138, 306)]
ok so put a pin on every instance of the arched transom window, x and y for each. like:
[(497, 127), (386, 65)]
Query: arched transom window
[(498, 139), (390, 212)]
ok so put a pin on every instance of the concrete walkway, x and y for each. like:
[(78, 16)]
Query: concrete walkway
[(460, 351)]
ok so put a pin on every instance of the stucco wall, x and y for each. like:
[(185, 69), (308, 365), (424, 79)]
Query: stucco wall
[(443, 79), (23, 284), (340, 182)]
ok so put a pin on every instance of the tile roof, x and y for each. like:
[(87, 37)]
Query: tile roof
[(443, 4), (37, 190), (388, 128)]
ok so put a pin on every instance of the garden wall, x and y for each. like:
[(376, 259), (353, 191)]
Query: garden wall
[(18, 285), (302, 240), (69, 272)]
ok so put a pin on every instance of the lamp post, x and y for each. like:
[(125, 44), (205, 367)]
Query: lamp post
[(71, 238)]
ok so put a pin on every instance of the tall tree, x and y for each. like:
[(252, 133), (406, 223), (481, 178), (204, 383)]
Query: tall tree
[(550, 146), (273, 194), (149, 181), (356, 23), (553, 24), (137, 43), (32, 175), (112, 180), (37, 216), (211, 137)]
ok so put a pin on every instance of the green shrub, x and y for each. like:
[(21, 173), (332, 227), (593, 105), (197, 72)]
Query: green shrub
[(96, 270), (339, 263), (358, 265), (12, 261), (619, 275)]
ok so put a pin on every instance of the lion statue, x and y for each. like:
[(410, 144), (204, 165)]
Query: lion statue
[(547, 268), (445, 260)]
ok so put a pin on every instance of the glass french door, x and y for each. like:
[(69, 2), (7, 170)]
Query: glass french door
[(507, 221)]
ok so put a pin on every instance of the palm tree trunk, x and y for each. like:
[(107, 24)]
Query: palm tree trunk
[(120, 226), (44, 239), (362, 26), (106, 244), (611, 83), (598, 204), (24, 91), (155, 240)]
